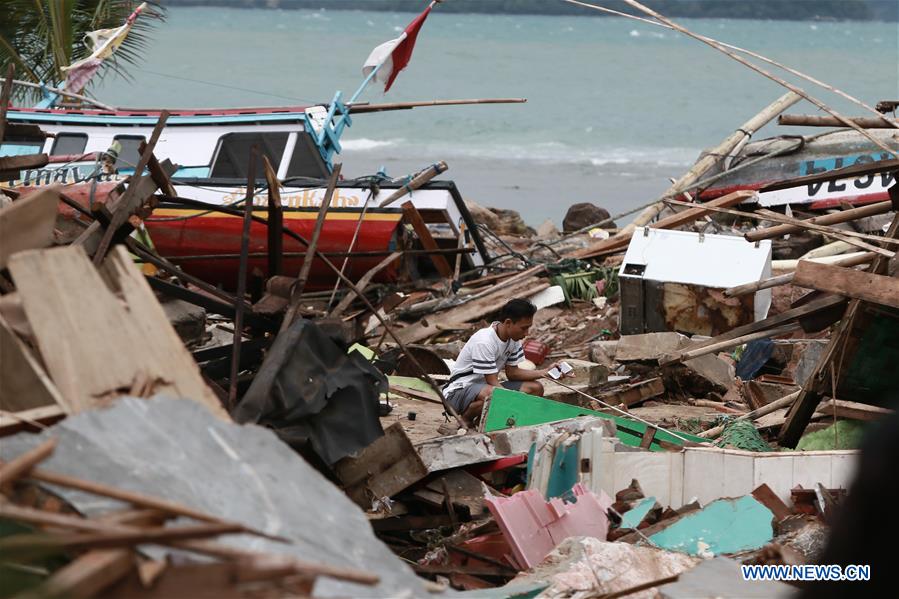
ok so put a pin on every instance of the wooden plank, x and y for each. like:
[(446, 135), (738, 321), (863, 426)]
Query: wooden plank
[(43, 542), (27, 224), (636, 393), (770, 500), (383, 469), (878, 289), (430, 325), (16, 467), (119, 211), (275, 218), (853, 410), (427, 240), (33, 420), (95, 345), (87, 574), (24, 385)]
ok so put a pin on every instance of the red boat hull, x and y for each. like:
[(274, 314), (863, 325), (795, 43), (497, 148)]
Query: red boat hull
[(178, 233)]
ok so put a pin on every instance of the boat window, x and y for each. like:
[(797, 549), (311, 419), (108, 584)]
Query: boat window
[(67, 144), (14, 145), (129, 151), (233, 153), (306, 160)]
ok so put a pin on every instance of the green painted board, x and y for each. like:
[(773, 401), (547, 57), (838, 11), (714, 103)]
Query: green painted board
[(507, 409), (725, 525)]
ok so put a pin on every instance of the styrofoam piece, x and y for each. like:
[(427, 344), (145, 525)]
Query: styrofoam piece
[(548, 297)]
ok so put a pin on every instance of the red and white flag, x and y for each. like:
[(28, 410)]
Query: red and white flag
[(396, 53), (102, 43)]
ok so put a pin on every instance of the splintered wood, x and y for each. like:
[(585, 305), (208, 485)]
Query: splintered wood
[(100, 333)]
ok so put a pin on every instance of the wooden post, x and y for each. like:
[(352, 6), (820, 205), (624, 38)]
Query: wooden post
[(275, 221), (120, 212), (242, 278), (311, 250), (427, 241), (418, 181)]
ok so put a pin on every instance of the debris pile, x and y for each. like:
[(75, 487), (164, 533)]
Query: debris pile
[(704, 347)]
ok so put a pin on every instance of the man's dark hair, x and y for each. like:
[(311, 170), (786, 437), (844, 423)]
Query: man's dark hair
[(516, 309)]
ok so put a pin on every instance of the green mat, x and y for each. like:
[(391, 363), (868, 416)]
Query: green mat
[(512, 408), (742, 434), (845, 434)]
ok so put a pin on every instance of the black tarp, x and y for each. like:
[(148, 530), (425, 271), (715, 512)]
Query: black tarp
[(311, 392)]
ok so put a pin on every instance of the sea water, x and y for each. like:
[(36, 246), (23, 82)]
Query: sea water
[(615, 108)]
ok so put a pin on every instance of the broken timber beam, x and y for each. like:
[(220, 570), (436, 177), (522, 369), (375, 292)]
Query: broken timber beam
[(785, 279), (827, 219), (853, 410), (427, 240), (820, 120), (877, 289), (802, 409)]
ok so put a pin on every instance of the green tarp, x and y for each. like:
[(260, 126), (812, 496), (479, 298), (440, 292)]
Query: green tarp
[(508, 409)]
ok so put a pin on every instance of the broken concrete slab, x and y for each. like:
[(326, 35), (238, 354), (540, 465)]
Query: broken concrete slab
[(722, 578), (188, 320), (649, 346), (241, 473), (586, 567), (700, 376), (723, 526), (586, 373), (443, 453)]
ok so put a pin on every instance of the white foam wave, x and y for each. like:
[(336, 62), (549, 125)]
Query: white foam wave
[(363, 144), (551, 152)]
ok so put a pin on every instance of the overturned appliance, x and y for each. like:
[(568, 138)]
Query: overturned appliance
[(675, 281)]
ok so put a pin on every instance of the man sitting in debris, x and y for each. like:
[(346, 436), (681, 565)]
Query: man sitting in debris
[(488, 351)]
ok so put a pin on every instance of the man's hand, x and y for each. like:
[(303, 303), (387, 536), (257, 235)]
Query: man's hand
[(558, 366)]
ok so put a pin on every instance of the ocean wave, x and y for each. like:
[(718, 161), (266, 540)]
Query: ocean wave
[(543, 152), (364, 144)]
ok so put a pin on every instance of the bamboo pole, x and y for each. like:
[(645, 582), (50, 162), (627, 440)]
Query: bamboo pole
[(755, 55), (729, 343), (703, 165), (61, 92), (851, 260), (775, 405), (816, 120), (717, 45), (826, 219), (360, 107)]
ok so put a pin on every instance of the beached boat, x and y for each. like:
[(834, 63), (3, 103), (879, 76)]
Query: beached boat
[(799, 157), (211, 149)]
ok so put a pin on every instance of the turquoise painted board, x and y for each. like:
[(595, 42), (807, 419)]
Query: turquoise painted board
[(633, 517), (725, 525), (564, 472), (512, 408)]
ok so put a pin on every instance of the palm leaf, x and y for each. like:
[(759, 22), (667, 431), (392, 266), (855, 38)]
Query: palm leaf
[(42, 36)]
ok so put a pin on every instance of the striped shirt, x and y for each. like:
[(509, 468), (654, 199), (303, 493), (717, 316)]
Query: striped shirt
[(484, 353)]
